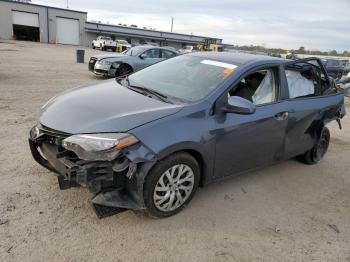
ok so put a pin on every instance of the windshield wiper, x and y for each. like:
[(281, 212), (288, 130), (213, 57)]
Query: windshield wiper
[(145, 91)]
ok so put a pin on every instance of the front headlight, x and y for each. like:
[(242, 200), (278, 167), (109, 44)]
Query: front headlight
[(100, 147), (104, 62)]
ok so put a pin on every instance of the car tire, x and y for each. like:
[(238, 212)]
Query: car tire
[(93, 46), (171, 184), (315, 154), (123, 70)]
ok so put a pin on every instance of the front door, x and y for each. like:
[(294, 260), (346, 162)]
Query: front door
[(245, 142), (150, 57)]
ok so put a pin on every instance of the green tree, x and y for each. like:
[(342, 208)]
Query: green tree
[(301, 50), (333, 53)]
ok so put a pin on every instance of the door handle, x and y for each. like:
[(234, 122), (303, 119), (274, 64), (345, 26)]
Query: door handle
[(281, 116)]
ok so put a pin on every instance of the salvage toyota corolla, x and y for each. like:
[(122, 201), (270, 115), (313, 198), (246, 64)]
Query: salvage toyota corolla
[(147, 141)]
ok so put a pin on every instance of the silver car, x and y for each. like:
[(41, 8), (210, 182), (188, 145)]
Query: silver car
[(134, 59)]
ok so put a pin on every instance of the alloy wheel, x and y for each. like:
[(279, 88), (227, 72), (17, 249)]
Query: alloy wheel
[(173, 188)]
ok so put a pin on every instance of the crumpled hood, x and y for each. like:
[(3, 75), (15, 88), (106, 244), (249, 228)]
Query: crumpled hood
[(102, 107)]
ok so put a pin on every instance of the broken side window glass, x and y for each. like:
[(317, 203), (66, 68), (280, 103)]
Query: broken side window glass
[(299, 85)]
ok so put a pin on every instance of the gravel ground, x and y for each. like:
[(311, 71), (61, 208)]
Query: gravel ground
[(287, 212)]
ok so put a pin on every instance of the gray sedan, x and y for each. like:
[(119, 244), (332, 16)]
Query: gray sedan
[(134, 59), (147, 141)]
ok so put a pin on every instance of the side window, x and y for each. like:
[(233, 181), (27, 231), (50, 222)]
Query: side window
[(260, 87), (167, 54), (299, 85), (152, 53)]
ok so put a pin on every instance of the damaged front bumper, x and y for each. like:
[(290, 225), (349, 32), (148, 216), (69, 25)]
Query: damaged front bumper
[(115, 185), (105, 70)]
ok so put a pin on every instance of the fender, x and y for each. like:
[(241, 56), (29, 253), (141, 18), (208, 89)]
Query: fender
[(206, 162)]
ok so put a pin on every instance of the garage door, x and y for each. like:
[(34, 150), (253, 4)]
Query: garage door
[(67, 31), (27, 19)]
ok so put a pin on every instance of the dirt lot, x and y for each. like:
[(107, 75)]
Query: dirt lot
[(287, 212)]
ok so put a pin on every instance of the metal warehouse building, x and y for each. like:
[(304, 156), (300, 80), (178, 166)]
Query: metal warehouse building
[(140, 36), (46, 24), (41, 23)]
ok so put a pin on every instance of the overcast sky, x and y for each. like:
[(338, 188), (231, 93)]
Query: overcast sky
[(315, 24)]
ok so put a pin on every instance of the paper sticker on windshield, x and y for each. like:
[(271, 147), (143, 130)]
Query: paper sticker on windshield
[(220, 64)]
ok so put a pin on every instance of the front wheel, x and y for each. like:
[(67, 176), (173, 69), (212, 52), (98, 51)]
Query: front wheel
[(171, 185), (123, 70), (315, 154)]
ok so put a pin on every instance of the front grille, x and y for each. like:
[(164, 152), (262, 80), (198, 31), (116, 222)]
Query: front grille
[(51, 136), (92, 63), (52, 132), (101, 71), (54, 138)]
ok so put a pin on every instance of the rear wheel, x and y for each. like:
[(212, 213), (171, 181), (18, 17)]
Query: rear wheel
[(171, 185), (93, 46), (315, 154)]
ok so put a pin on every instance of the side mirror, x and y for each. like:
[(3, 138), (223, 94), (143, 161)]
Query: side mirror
[(143, 56), (239, 105)]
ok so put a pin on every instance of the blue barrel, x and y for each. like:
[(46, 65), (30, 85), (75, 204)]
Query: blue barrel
[(80, 56)]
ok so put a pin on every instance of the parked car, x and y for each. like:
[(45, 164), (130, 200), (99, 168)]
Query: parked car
[(335, 68), (344, 83), (346, 68), (122, 45), (274, 55), (149, 43), (104, 43), (292, 55), (147, 141), (134, 59), (188, 49)]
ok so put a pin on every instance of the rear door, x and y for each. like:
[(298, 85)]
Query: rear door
[(312, 103), (166, 54)]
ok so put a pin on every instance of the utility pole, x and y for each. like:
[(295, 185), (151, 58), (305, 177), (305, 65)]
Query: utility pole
[(172, 24), (67, 5)]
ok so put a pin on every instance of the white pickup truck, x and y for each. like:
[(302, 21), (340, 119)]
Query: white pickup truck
[(104, 43)]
